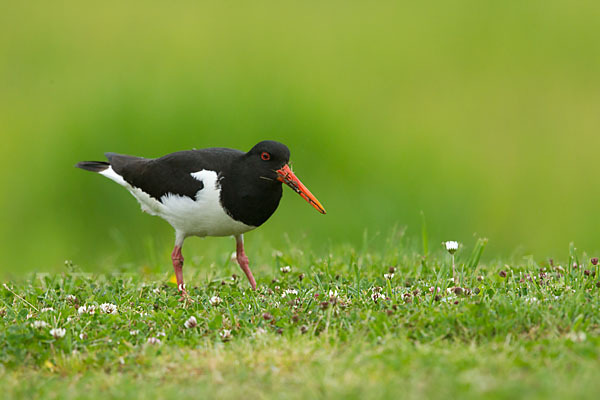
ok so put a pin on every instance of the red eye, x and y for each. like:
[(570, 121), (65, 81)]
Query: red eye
[(265, 156)]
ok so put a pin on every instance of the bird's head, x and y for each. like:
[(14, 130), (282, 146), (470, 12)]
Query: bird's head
[(272, 160)]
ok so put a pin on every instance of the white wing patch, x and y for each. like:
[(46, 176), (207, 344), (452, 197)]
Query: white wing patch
[(202, 216), (111, 174), (149, 204)]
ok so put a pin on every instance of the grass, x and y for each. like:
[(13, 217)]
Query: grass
[(332, 327)]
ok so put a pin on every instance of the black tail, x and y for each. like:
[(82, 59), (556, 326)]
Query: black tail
[(94, 166)]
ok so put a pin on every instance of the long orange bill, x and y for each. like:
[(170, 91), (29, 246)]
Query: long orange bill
[(286, 176)]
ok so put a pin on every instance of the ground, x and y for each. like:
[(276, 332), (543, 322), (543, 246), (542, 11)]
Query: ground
[(350, 324)]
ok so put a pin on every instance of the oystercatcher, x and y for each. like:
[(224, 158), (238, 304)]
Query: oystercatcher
[(208, 192)]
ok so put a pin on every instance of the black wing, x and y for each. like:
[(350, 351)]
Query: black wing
[(172, 173)]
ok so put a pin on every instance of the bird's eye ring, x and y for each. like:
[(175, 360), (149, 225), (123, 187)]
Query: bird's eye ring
[(265, 156)]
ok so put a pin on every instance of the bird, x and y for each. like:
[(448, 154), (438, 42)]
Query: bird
[(208, 192)]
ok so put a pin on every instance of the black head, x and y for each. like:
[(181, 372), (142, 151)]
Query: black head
[(267, 157), (273, 158), (271, 152), (251, 190)]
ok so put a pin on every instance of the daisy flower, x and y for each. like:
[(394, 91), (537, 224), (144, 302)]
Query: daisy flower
[(451, 246)]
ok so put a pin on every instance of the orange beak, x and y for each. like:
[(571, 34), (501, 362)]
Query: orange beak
[(286, 176)]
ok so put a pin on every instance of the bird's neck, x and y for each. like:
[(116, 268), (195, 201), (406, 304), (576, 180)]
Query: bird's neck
[(249, 198)]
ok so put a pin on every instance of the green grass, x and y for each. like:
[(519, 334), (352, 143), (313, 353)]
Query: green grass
[(533, 333)]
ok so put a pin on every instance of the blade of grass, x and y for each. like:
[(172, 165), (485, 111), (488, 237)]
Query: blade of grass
[(476, 254), (424, 235)]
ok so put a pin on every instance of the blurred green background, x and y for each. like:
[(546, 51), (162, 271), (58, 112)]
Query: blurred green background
[(483, 115)]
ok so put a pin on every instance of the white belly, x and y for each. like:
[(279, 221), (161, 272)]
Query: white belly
[(203, 216)]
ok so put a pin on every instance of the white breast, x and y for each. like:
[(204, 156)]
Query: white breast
[(202, 216)]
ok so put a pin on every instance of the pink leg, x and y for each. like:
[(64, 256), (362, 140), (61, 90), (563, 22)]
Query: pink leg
[(177, 258), (243, 260)]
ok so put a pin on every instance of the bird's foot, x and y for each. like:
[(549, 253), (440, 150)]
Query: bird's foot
[(184, 296)]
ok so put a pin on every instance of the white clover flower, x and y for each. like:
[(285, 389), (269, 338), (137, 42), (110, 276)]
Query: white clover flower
[(29, 315), (333, 294), (215, 300), (376, 296), (153, 340), (161, 334), (108, 308), (286, 269), (388, 276), (134, 332), (276, 253), (83, 336), (39, 324), (191, 323), (86, 310), (451, 246), (225, 334), (530, 299), (289, 291), (156, 290), (260, 331), (57, 333), (47, 309), (70, 297), (449, 299), (577, 336)]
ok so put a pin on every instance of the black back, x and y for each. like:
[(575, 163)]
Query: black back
[(250, 191)]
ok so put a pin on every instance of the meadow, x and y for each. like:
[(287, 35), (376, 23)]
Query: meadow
[(448, 120), (349, 324)]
